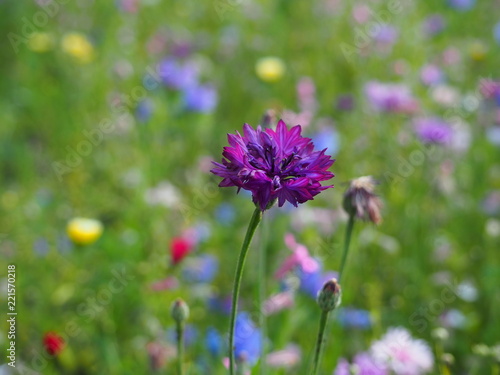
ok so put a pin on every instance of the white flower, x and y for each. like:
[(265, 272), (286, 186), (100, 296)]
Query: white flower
[(403, 354)]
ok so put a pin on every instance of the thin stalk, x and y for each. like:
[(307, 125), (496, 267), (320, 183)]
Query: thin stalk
[(347, 241), (319, 342), (252, 226), (262, 294), (180, 348)]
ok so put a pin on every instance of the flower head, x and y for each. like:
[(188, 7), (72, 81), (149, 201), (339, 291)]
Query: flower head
[(200, 98), (159, 353), (270, 69), (41, 42), (247, 340), (180, 247), (178, 75), (402, 354), (300, 257), (84, 231), (388, 97), (179, 310), (274, 165), (201, 269), (362, 364), (360, 200), (330, 295), (53, 343), (433, 130), (354, 318), (214, 342), (78, 46)]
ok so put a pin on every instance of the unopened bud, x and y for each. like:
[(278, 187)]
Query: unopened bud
[(179, 310), (360, 200), (330, 295)]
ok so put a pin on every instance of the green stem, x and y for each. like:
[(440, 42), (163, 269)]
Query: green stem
[(180, 348), (262, 294), (319, 342), (252, 226), (348, 233)]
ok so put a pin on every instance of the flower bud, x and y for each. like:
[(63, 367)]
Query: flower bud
[(179, 310), (330, 295), (360, 200)]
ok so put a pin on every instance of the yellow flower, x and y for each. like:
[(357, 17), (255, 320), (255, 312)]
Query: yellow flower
[(270, 69), (84, 231), (41, 42), (78, 46), (478, 51)]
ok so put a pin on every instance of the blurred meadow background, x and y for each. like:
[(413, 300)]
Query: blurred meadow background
[(113, 111)]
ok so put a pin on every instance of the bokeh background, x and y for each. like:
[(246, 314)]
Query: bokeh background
[(114, 110)]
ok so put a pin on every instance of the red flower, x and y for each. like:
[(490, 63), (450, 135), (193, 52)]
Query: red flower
[(53, 343), (179, 248)]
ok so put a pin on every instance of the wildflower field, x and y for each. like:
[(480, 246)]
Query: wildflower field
[(352, 226)]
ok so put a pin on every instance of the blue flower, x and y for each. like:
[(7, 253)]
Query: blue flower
[(214, 342), (247, 339), (496, 32), (144, 110), (201, 269), (190, 335), (176, 75), (200, 98), (462, 5), (354, 318), (327, 138), (225, 214)]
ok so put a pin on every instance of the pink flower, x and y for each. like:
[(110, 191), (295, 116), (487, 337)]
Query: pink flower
[(278, 302), (285, 358), (166, 284), (402, 354), (300, 257)]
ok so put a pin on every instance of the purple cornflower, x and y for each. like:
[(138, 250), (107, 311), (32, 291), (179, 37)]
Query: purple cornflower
[(386, 34), (431, 74), (200, 98), (247, 340), (178, 75), (433, 25), (490, 89), (274, 165), (388, 97), (362, 364), (433, 130)]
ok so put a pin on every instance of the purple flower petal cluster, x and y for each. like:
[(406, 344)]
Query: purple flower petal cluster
[(362, 364), (388, 97), (433, 130), (274, 165), (184, 76)]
